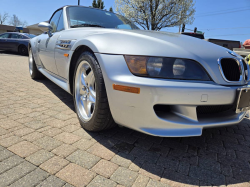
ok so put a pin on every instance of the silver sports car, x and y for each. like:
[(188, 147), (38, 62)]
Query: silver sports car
[(159, 83)]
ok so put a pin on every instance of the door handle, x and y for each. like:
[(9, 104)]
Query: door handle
[(39, 41)]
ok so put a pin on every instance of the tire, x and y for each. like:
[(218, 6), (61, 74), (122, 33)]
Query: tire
[(23, 50), (90, 97), (34, 73)]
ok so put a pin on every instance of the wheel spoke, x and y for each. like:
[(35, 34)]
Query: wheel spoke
[(92, 96), (83, 79), (87, 108), (89, 77)]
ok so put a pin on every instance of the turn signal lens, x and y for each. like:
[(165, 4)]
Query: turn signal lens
[(137, 64), (126, 88)]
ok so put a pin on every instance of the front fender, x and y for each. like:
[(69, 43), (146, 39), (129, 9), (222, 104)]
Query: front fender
[(85, 42), (33, 46)]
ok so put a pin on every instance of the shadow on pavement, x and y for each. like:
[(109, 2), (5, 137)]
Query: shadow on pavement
[(219, 157), (59, 92)]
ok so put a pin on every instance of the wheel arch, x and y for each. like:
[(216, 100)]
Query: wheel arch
[(29, 46), (77, 52)]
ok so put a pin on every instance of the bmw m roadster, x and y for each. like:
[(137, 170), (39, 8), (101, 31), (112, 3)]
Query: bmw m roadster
[(159, 83)]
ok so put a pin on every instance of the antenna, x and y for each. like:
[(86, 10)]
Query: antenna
[(78, 2)]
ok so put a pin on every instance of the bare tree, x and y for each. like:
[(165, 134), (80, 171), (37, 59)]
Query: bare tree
[(157, 14), (3, 18), (24, 23), (15, 21)]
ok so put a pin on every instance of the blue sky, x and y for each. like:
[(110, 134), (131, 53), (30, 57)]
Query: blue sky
[(224, 19)]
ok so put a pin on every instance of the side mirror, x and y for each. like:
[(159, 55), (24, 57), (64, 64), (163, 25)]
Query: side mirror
[(45, 27)]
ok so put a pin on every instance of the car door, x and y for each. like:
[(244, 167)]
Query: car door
[(46, 44), (3, 41), (13, 41), (61, 61)]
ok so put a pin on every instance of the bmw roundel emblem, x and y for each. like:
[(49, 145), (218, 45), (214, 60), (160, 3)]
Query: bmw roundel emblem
[(232, 53)]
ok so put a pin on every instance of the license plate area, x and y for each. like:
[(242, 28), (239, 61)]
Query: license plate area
[(243, 103)]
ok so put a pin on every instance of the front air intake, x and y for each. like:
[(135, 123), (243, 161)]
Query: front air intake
[(231, 69), (213, 109)]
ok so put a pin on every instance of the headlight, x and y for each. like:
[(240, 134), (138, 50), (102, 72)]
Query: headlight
[(170, 68)]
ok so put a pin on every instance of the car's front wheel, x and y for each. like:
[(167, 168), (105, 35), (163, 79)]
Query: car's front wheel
[(34, 73), (90, 98)]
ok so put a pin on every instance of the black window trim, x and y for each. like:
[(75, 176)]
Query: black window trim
[(58, 22), (59, 16), (54, 14)]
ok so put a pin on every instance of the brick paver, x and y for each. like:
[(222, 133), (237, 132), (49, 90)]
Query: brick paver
[(54, 164), (64, 150), (6, 142), (105, 168), (101, 151), (43, 144), (76, 175), (48, 143), (51, 181), (83, 158), (124, 176), (39, 157), (67, 137), (24, 148), (100, 181), (31, 179)]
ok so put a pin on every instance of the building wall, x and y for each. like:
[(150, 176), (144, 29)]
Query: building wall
[(25, 30), (2, 31), (35, 31)]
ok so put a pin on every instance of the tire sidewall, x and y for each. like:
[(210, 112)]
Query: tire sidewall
[(89, 57)]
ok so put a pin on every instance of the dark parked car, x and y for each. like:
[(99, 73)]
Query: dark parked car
[(230, 44), (14, 41)]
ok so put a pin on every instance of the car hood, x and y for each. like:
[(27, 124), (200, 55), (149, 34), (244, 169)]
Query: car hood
[(155, 43)]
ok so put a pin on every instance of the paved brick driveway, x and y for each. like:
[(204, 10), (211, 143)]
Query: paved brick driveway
[(42, 143)]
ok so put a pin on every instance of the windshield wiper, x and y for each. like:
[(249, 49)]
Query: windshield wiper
[(86, 25)]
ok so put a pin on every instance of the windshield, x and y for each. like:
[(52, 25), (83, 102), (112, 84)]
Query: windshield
[(89, 17), (29, 35)]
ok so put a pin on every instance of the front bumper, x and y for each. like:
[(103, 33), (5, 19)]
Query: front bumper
[(137, 111)]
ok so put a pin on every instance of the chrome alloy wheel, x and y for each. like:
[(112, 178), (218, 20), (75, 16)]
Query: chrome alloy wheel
[(30, 62), (85, 91)]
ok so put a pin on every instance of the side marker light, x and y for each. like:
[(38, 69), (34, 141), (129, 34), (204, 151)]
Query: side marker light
[(126, 89)]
